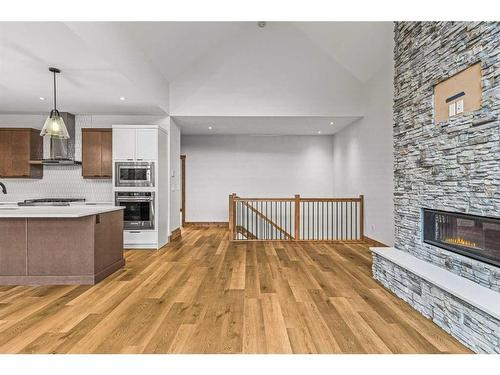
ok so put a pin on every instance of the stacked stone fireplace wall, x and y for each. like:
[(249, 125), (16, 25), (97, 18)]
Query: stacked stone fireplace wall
[(454, 165), (450, 166)]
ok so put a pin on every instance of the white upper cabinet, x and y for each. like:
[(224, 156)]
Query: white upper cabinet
[(146, 144), (123, 144), (135, 143)]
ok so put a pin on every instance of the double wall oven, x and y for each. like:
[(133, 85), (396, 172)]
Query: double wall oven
[(137, 177), (139, 210), (134, 174)]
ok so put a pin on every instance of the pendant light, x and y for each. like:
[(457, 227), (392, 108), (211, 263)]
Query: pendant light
[(54, 125)]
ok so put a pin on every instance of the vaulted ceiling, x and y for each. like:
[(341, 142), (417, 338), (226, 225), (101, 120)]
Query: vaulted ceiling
[(193, 70)]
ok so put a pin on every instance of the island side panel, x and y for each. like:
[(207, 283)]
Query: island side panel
[(61, 247), (108, 247), (13, 247)]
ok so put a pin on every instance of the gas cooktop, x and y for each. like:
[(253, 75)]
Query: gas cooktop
[(50, 201)]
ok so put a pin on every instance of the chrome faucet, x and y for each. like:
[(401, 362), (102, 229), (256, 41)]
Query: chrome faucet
[(4, 189)]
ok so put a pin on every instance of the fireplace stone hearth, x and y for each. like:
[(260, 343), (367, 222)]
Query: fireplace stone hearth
[(463, 308)]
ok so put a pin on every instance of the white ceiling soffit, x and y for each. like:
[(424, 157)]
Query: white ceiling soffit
[(89, 83), (361, 47), (259, 125)]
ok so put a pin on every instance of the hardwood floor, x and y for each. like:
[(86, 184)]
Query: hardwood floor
[(206, 295)]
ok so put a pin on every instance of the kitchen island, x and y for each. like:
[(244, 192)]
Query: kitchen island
[(80, 244)]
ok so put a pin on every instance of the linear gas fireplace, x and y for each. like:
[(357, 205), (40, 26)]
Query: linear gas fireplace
[(474, 236)]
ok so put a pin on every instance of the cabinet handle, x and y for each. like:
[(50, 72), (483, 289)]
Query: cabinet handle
[(135, 231)]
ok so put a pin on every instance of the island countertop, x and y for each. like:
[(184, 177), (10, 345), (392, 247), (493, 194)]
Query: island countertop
[(72, 211), (60, 245)]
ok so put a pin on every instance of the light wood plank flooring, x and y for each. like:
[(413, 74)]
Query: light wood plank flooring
[(204, 294)]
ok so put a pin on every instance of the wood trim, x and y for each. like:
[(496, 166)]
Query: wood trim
[(297, 217), (362, 216), (330, 199), (183, 189), (231, 216), (307, 241), (21, 129), (372, 242), (176, 235), (245, 232), (223, 224), (100, 130), (264, 199)]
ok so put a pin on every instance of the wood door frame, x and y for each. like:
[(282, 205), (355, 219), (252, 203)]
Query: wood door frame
[(183, 189)]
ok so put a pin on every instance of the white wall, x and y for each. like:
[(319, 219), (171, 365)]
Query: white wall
[(363, 159), (174, 137), (66, 181), (253, 166)]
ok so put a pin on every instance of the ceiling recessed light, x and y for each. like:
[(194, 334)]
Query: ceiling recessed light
[(331, 122), (42, 98), (319, 131), (210, 128), (122, 98)]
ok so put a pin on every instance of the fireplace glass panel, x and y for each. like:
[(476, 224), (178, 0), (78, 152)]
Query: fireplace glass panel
[(473, 236)]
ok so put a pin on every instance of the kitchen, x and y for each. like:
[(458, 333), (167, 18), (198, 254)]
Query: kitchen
[(120, 175)]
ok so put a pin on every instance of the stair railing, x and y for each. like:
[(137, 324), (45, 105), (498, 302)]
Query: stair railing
[(296, 219)]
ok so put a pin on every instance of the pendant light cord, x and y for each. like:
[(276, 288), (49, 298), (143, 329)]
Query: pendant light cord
[(55, 103)]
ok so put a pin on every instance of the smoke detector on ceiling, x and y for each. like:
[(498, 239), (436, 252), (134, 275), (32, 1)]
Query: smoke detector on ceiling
[(262, 24)]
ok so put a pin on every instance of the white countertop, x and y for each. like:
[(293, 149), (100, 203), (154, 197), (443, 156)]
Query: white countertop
[(80, 210)]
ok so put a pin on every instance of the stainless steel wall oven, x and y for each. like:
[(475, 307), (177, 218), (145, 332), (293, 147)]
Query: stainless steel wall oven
[(139, 210)]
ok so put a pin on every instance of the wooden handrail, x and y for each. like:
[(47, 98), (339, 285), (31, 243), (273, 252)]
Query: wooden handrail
[(249, 235), (330, 199), (362, 216), (288, 236), (297, 216), (232, 208), (238, 199)]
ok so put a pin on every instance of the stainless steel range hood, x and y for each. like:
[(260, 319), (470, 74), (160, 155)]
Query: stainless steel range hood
[(62, 151)]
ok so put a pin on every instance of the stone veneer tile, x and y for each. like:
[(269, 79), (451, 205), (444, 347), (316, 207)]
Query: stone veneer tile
[(454, 165)]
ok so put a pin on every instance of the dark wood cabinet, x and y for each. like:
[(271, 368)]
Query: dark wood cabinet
[(18, 146), (96, 153), (107, 153)]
